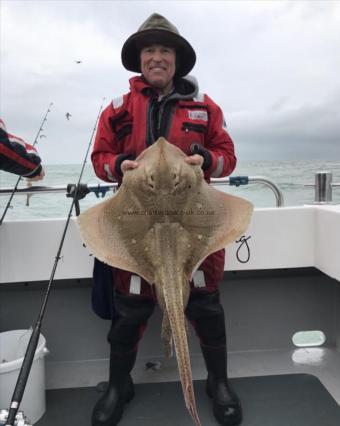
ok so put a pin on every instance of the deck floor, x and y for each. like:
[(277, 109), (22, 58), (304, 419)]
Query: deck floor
[(280, 400), (324, 363)]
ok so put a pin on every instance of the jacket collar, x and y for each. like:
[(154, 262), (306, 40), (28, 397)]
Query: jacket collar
[(185, 88)]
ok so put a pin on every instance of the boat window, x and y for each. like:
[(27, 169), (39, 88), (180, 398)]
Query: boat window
[(309, 338)]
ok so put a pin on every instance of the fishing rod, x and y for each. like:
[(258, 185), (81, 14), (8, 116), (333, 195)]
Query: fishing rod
[(19, 178), (34, 339)]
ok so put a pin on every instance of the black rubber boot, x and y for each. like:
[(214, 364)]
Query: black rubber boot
[(131, 315), (109, 408), (226, 404), (206, 314)]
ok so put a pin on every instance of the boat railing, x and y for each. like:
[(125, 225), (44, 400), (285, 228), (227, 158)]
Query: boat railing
[(244, 180), (100, 190)]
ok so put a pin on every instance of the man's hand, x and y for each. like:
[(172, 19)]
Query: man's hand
[(194, 160), (128, 165), (38, 177), (196, 148)]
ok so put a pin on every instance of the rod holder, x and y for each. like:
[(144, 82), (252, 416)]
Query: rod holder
[(323, 187)]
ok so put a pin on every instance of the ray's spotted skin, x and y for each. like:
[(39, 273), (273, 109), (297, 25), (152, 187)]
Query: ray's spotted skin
[(161, 224)]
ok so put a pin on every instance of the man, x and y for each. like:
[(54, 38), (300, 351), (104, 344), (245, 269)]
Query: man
[(19, 157), (163, 103)]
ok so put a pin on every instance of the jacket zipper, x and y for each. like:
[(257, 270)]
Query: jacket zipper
[(163, 122)]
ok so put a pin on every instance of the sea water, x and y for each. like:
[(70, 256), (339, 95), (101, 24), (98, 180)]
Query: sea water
[(291, 177)]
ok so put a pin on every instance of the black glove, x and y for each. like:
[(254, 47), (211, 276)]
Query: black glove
[(196, 148), (119, 161)]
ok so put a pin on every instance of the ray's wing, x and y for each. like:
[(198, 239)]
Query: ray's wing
[(214, 220), (115, 233)]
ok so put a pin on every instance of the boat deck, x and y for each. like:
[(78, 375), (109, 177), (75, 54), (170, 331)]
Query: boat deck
[(280, 400), (298, 387), (263, 308)]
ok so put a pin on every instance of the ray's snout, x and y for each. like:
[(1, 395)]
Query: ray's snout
[(168, 178), (164, 169)]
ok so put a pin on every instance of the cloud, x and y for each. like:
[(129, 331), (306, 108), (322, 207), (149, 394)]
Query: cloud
[(48, 43), (309, 131), (271, 66)]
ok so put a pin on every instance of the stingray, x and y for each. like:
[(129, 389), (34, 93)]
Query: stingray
[(164, 220)]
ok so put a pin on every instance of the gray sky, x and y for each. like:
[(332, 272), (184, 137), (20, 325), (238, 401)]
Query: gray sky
[(273, 67)]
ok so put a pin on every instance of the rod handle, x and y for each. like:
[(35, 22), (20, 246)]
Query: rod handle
[(23, 376)]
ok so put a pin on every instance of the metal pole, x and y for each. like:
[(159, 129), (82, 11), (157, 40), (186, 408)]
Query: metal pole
[(277, 192), (323, 187), (103, 188), (244, 180)]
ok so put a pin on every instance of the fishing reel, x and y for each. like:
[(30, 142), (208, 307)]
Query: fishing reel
[(77, 192), (20, 419)]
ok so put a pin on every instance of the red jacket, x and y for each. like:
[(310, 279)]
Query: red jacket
[(125, 128), (17, 156), (134, 121)]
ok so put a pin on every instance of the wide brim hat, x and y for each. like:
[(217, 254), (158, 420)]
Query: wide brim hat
[(158, 30)]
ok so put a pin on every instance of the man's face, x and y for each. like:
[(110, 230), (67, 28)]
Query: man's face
[(158, 65)]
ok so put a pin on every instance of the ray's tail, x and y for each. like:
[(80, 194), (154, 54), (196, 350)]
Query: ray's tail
[(175, 311)]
